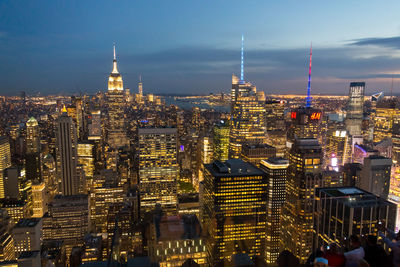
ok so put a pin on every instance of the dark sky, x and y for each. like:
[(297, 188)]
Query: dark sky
[(189, 46)]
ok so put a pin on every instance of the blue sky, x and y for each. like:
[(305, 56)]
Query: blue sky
[(188, 46)]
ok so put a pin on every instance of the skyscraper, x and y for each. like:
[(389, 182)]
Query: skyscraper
[(32, 156), (343, 211), (375, 175), (387, 114), (355, 108), (5, 161), (247, 124), (116, 105), (221, 141), (276, 170), (234, 207), (158, 168), (303, 176), (66, 150)]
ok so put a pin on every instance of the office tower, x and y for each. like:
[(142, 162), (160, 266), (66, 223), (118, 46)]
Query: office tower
[(101, 200), (340, 212), (275, 115), (39, 199), (386, 115), (375, 176), (16, 209), (86, 157), (360, 152), (396, 142), (355, 108), (27, 235), (276, 170), (158, 168), (7, 252), (32, 156), (305, 123), (303, 176), (338, 148), (95, 126), (5, 161), (116, 105), (234, 211), (67, 155), (221, 141), (11, 177), (255, 153), (179, 240), (50, 177), (32, 136), (204, 156), (72, 209), (79, 116), (247, 124), (140, 86)]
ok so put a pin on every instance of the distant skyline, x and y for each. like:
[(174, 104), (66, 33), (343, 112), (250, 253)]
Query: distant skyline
[(193, 47)]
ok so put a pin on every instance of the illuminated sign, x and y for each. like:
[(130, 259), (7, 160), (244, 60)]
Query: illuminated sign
[(293, 115), (315, 116)]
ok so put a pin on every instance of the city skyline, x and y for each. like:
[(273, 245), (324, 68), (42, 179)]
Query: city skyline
[(71, 53)]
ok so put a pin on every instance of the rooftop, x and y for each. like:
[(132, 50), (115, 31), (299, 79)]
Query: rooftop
[(233, 167), (29, 222)]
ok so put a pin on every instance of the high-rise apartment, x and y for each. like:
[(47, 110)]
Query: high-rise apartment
[(5, 161), (221, 141)]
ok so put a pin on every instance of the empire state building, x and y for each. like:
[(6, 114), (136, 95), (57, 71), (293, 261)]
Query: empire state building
[(116, 136)]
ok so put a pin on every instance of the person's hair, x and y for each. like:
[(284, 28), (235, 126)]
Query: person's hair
[(355, 239), (372, 239)]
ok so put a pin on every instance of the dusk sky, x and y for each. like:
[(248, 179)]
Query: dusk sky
[(188, 46)]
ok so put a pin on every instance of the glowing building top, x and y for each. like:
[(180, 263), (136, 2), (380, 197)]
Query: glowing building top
[(115, 78)]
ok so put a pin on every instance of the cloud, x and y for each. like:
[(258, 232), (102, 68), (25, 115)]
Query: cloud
[(393, 42)]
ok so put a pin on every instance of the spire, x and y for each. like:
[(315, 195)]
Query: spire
[(308, 98), (242, 62), (64, 109), (114, 70)]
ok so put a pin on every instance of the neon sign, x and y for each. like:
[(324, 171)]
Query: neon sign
[(293, 115), (315, 116)]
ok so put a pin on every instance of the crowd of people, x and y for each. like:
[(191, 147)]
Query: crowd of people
[(364, 251)]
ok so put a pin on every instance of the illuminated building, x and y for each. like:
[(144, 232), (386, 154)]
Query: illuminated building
[(351, 173), (178, 241), (32, 136), (196, 119), (234, 210), (7, 252), (50, 177), (67, 155), (303, 176), (204, 156), (355, 108), (92, 250), (255, 153), (27, 235), (158, 168), (338, 150), (140, 86), (116, 104), (221, 141), (95, 126), (74, 210), (247, 124), (305, 123), (86, 157), (332, 178), (361, 152), (5, 161), (276, 170), (375, 175), (39, 200), (101, 199), (386, 114), (16, 209), (344, 211), (275, 115), (396, 142)]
